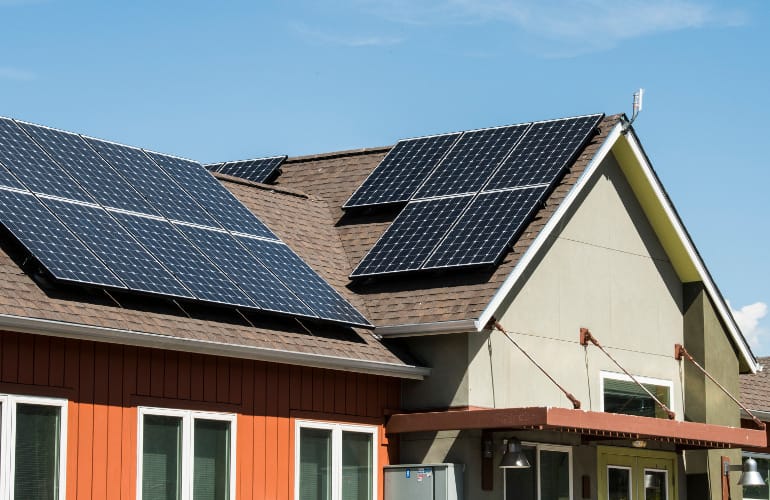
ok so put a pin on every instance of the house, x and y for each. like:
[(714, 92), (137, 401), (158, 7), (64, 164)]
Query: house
[(115, 393)]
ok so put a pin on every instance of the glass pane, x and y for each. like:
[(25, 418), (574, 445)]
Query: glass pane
[(521, 484), (161, 458), (356, 466), (759, 492), (655, 487), (618, 483), (36, 476), (315, 464), (211, 474), (554, 475), (624, 396)]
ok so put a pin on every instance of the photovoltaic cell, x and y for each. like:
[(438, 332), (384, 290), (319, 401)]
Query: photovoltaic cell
[(75, 156), (402, 171), (303, 281), (117, 249), (183, 260), (259, 170), (247, 272), (212, 196), (409, 240), (150, 180), (486, 228), (8, 180), (544, 152), (470, 162), (57, 249), (31, 165)]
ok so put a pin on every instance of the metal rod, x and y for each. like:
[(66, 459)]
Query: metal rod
[(680, 351), (573, 399), (586, 337)]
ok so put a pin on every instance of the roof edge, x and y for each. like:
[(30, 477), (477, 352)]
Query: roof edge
[(151, 340), (337, 154), (420, 329)]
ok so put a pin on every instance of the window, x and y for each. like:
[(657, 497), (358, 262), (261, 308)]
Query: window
[(763, 467), (335, 461), (548, 478), (185, 455), (32, 447), (620, 394)]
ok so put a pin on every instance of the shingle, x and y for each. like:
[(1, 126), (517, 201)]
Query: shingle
[(755, 388)]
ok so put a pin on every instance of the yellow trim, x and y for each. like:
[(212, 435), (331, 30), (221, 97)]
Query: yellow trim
[(636, 461)]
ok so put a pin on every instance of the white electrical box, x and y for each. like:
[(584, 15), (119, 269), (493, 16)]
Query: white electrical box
[(424, 482)]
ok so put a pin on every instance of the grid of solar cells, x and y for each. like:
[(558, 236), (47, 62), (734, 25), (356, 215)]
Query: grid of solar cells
[(303, 281), (30, 164), (183, 260), (247, 272), (213, 167), (145, 175), (543, 153), (73, 154), (8, 180), (471, 161), (57, 249), (486, 228), (402, 171), (212, 196), (409, 240), (117, 249), (259, 170)]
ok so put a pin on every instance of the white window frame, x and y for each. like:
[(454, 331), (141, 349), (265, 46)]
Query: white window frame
[(336, 429), (750, 454), (665, 478), (8, 404), (630, 471), (188, 439), (545, 447), (603, 375)]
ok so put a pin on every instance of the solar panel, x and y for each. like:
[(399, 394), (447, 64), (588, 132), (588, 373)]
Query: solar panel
[(150, 180), (303, 281), (409, 240), (183, 260), (212, 196), (246, 271), (30, 164), (486, 228), (52, 244), (117, 249), (259, 170), (544, 152), (402, 171), (73, 154), (470, 162), (7, 180), (213, 167)]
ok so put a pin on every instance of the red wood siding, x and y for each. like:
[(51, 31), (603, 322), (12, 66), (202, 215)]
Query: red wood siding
[(105, 383)]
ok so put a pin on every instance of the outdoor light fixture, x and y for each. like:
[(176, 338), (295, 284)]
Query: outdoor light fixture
[(514, 458), (750, 476)]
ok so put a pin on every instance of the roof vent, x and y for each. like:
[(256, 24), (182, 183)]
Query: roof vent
[(637, 108)]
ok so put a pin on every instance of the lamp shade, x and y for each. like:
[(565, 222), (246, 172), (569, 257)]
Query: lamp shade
[(750, 476), (514, 458)]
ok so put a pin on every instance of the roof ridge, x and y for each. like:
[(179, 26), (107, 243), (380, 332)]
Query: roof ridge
[(337, 154)]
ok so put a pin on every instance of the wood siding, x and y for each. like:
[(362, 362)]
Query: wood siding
[(105, 383)]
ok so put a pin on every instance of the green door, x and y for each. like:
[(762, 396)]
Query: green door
[(631, 474)]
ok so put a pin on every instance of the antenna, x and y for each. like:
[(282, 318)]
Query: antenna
[(637, 108)]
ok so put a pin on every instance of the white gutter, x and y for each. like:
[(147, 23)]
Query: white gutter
[(419, 329), (142, 339)]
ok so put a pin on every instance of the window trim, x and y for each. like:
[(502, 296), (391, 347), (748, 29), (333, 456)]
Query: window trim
[(8, 435), (631, 492), (188, 439), (546, 447), (336, 428), (665, 476), (603, 375)]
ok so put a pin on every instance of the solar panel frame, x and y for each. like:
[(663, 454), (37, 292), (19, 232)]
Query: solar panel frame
[(259, 170), (411, 237), (8, 180), (400, 173)]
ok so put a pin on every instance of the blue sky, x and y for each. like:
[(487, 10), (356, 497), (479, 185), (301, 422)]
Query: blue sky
[(227, 80)]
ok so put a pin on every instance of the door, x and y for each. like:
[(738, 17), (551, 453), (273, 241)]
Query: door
[(630, 474)]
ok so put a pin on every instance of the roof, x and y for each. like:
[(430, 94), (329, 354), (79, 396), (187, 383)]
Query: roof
[(755, 389)]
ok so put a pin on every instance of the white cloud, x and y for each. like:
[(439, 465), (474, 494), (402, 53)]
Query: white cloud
[(344, 40), (9, 73), (748, 318)]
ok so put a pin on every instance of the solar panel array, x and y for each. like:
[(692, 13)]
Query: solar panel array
[(97, 213), (477, 198), (258, 170)]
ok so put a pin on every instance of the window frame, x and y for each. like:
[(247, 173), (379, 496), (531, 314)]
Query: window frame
[(336, 428), (188, 442), (603, 375), (627, 468), (8, 403), (546, 447), (665, 477)]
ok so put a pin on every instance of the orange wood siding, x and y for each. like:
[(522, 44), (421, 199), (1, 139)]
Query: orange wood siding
[(105, 383)]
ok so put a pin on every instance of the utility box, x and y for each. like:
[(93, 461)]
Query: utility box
[(424, 482)]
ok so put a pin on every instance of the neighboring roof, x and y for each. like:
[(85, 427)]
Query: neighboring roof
[(755, 390)]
